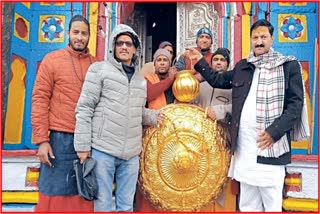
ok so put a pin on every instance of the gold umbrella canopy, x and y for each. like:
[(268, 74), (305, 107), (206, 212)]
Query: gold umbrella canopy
[(184, 163)]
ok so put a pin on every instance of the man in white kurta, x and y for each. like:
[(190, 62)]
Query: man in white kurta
[(268, 111), (257, 181)]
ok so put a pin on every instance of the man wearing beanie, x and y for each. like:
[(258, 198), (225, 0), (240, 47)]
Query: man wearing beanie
[(204, 42), (218, 99), (221, 59), (219, 106), (168, 46), (159, 94), (159, 84), (165, 44), (149, 66)]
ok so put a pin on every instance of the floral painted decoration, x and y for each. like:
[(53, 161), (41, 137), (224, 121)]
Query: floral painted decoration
[(291, 28), (52, 28)]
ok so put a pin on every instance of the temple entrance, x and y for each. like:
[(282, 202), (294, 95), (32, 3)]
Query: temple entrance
[(156, 22), (174, 22), (161, 24)]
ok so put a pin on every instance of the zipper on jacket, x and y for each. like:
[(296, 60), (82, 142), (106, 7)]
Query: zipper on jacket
[(127, 124), (101, 126)]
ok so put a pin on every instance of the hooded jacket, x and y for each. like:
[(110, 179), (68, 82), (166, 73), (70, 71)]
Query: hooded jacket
[(110, 112)]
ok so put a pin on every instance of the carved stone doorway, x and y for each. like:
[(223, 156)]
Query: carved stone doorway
[(191, 17)]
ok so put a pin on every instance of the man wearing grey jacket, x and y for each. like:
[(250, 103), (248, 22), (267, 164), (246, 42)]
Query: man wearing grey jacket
[(109, 118)]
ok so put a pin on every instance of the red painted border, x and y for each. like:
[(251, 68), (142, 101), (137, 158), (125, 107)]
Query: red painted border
[(100, 49), (23, 153), (306, 158)]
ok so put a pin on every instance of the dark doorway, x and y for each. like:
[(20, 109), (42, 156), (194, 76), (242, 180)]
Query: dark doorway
[(161, 24)]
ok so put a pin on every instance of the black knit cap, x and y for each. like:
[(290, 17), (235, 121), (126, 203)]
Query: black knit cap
[(224, 52), (135, 39)]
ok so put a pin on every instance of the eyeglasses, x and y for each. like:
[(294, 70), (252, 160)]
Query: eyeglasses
[(120, 44)]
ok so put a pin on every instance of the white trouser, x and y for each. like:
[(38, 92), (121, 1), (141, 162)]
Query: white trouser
[(255, 198)]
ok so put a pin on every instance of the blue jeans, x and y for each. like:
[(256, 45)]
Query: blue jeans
[(126, 174)]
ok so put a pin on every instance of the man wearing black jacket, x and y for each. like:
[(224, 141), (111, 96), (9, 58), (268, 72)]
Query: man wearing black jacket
[(268, 106)]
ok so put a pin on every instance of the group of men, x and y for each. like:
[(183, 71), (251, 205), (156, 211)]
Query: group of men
[(98, 109)]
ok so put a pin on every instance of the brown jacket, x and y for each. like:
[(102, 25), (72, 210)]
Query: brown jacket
[(56, 92)]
